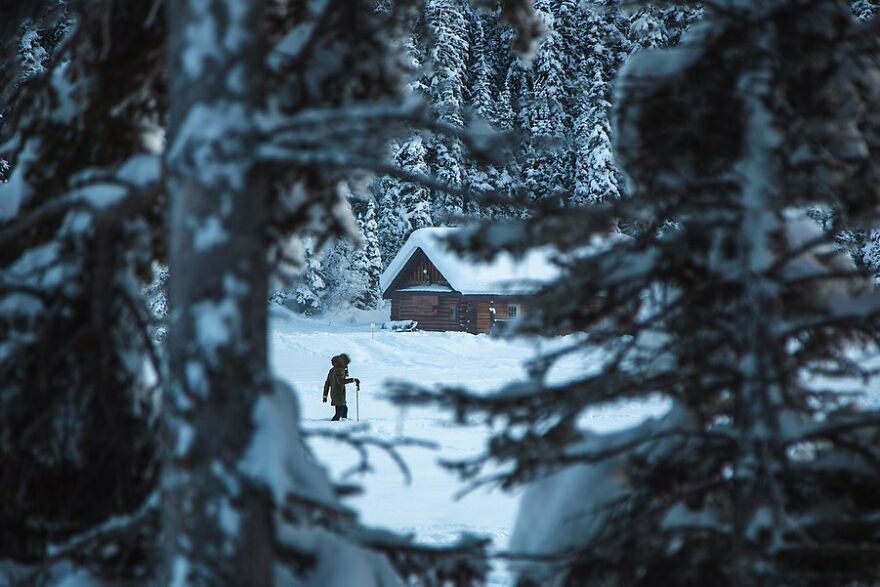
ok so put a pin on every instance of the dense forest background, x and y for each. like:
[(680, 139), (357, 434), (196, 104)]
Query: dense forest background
[(558, 106)]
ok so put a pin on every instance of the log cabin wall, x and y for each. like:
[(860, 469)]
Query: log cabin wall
[(502, 306), (453, 312), (432, 312)]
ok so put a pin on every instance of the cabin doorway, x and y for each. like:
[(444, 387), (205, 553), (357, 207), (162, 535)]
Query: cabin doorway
[(471, 313)]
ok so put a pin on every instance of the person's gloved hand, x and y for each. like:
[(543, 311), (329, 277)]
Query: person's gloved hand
[(357, 382), (325, 399)]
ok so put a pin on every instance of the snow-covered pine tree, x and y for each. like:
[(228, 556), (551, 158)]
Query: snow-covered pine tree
[(482, 87), (76, 240), (404, 206), (546, 168), (725, 306), (508, 98), (82, 222), (869, 254), (596, 177), (412, 197), (352, 267), (310, 286), (344, 281), (657, 25), (487, 108), (368, 260), (509, 177), (647, 28), (216, 497), (595, 173), (449, 50)]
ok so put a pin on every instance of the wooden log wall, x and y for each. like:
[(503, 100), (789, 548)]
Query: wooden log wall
[(437, 313), (451, 313)]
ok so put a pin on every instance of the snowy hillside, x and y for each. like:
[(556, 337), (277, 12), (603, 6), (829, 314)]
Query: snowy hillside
[(301, 351)]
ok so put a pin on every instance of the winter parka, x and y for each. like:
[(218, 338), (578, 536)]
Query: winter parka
[(336, 380)]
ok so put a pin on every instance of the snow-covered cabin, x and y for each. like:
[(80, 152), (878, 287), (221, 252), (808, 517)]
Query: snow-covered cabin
[(441, 290)]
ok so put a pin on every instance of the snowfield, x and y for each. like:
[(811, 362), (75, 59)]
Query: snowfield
[(300, 353)]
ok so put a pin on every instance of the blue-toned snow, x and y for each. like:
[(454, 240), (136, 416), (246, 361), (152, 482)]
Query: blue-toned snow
[(301, 349)]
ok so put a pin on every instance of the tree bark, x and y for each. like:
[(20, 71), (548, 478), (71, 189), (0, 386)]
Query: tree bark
[(218, 526)]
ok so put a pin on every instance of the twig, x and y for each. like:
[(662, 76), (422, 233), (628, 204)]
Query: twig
[(361, 443)]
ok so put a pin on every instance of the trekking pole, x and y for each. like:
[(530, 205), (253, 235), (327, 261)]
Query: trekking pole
[(357, 402)]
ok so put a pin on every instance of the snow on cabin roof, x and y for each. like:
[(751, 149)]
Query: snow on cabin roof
[(504, 275), (428, 288)]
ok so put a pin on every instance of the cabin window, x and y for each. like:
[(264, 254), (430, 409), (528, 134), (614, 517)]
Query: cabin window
[(453, 312), (514, 311), (425, 305)]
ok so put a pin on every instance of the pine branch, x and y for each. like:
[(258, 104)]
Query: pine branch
[(356, 439)]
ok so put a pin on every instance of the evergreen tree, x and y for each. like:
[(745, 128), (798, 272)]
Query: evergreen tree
[(351, 270), (864, 244), (508, 99), (483, 76), (77, 226), (596, 177), (405, 206), (484, 100), (724, 298), (546, 164), (368, 260), (449, 50), (89, 204), (870, 254), (344, 282), (310, 286)]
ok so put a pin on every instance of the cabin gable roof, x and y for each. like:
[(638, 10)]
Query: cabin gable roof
[(434, 281), (505, 275)]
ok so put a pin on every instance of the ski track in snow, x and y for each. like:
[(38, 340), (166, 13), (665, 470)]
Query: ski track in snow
[(301, 349)]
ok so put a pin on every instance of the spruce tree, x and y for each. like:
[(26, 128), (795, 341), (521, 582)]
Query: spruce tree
[(711, 291), (482, 88), (449, 50), (77, 223), (546, 171), (405, 206), (310, 286), (368, 261), (596, 177), (269, 111)]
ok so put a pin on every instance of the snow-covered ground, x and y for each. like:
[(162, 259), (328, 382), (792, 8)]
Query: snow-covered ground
[(301, 352)]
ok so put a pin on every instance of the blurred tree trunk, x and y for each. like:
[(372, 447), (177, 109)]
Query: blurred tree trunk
[(218, 526)]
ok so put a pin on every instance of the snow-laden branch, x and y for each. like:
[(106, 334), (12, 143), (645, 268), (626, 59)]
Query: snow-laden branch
[(355, 137), (356, 438), (105, 195)]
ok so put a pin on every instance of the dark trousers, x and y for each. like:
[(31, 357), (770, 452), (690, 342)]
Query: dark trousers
[(341, 412)]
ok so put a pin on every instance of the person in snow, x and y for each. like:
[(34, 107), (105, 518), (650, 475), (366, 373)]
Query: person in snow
[(337, 378)]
